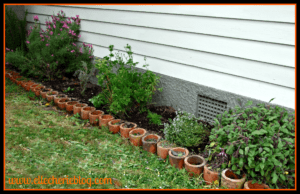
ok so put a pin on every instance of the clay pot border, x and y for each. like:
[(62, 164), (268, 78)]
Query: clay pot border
[(136, 140), (232, 183), (70, 105), (210, 176), (150, 146), (163, 152), (93, 117), (246, 185), (194, 170), (178, 161), (114, 128), (62, 103), (125, 131)]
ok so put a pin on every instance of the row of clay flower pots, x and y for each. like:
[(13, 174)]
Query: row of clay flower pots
[(179, 157)]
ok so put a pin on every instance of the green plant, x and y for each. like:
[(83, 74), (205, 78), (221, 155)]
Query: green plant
[(53, 53), (84, 76), (16, 58), (125, 89), (184, 130), (15, 31), (154, 118), (77, 115), (259, 141), (68, 89)]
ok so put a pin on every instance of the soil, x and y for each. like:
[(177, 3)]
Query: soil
[(136, 133), (177, 153), (128, 125), (232, 175), (166, 145), (167, 112), (119, 123)]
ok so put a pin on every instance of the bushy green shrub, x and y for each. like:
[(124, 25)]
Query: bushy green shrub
[(184, 130), (127, 88), (259, 141), (15, 31)]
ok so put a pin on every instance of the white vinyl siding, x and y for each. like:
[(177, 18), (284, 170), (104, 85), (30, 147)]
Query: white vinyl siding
[(248, 50)]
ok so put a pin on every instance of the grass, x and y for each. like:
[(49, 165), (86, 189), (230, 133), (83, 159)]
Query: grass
[(46, 143)]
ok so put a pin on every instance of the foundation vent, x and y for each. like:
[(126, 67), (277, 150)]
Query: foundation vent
[(209, 108)]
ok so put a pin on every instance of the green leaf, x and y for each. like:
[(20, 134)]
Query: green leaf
[(259, 132), (282, 177), (246, 150), (252, 174), (241, 162), (233, 167), (229, 149), (241, 151), (274, 177), (261, 165)]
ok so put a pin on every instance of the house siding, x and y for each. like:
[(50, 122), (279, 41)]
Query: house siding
[(222, 52)]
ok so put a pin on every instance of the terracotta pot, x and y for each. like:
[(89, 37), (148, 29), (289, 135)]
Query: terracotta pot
[(163, 152), (93, 116), (19, 81), (114, 128), (43, 94), (34, 86), (210, 176), (136, 140), (38, 89), (25, 83), (70, 105), (125, 131), (15, 73), (58, 97), (77, 108), (62, 103), (104, 119), (14, 78), (194, 165), (85, 111), (231, 181), (50, 95), (178, 161), (27, 87), (249, 185), (150, 146)]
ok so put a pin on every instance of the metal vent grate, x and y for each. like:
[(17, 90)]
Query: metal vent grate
[(209, 108)]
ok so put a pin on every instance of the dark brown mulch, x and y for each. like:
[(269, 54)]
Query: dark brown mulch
[(167, 112)]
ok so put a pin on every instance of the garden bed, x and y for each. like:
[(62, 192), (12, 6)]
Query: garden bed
[(167, 112)]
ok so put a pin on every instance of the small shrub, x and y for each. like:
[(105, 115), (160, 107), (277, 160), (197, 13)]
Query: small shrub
[(15, 31), (184, 130), (154, 118), (127, 88), (84, 76)]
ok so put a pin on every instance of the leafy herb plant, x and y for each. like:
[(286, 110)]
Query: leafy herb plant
[(84, 76), (68, 89), (259, 141), (154, 118), (125, 89), (184, 130)]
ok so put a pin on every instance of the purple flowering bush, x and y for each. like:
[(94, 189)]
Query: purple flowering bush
[(53, 53)]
